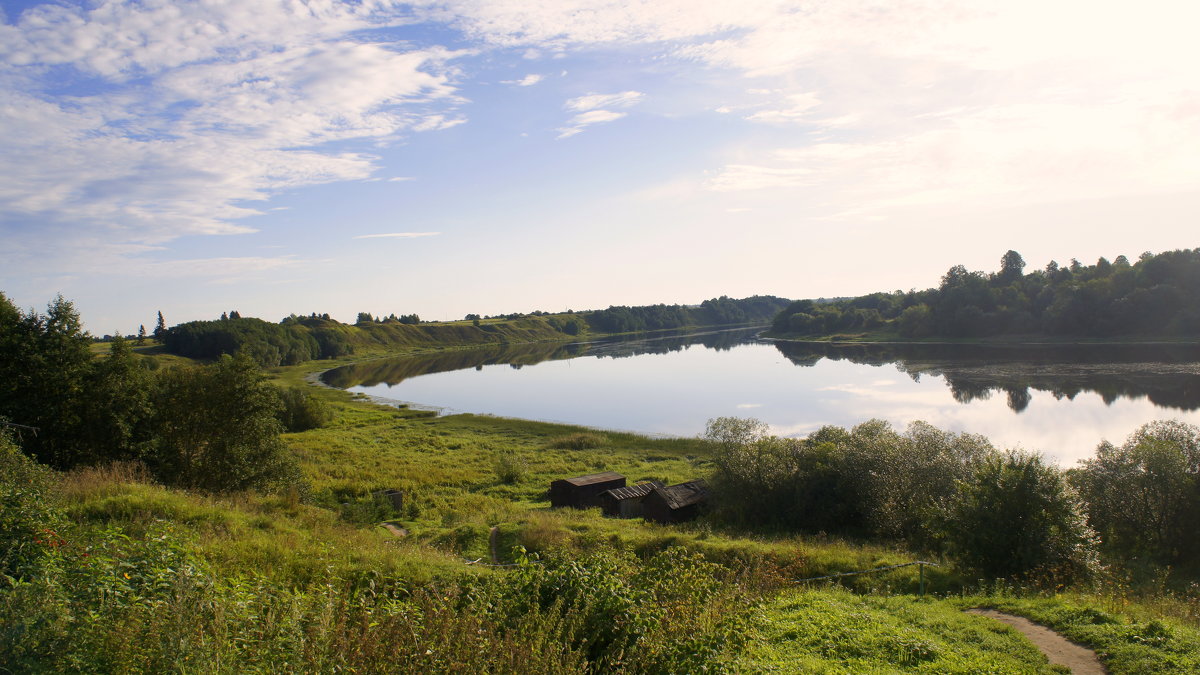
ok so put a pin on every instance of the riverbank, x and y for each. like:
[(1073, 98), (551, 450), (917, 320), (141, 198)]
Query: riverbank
[(880, 337)]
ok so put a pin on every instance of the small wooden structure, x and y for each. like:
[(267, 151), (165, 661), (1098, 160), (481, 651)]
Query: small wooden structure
[(584, 491), (626, 502), (676, 503), (391, 496)]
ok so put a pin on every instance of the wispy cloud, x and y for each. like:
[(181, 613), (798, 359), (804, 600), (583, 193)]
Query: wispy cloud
[(594, 101), (398, 235), (590, 112), (527, 81), (221, 270), (190, 112)]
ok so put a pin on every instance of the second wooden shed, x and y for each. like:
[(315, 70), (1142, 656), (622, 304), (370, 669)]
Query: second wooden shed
[(676, 503), (626, 502)]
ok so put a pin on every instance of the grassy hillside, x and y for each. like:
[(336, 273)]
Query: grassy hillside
[(132, 576)]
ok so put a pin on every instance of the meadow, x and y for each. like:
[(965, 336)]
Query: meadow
[(132, 576)]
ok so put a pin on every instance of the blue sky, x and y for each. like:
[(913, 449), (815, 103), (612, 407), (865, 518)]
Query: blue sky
[(453, 157)]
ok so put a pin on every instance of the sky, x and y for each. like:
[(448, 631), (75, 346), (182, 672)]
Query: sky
[(445, 157)]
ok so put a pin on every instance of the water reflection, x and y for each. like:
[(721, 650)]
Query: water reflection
[(680, 381), (394, 371), (1166, 374)]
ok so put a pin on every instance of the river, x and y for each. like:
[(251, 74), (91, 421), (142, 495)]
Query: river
[(1060, 400)]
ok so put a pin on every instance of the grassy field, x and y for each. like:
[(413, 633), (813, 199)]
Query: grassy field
[(310, 579)]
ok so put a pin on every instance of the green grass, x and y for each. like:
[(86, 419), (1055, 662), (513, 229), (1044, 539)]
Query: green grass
[(279, 570), (1130, 636), (832, 630)]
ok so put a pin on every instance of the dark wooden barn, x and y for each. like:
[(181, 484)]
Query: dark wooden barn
[(584, 491), (675, 503), (626, 502)]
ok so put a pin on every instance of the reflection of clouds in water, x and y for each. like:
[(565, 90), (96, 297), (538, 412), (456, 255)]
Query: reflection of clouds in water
[(1065, 431), (678, 390)]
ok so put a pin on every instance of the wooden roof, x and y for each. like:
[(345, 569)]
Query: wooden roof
[(594, 478), (684, 494), (634, 491)]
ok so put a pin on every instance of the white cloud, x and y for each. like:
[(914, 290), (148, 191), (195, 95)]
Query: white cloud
[(527, 81), (589, 109), (594, 101), (583, 120), (397, 235), (188, 112), (916, 101), (797, 110)]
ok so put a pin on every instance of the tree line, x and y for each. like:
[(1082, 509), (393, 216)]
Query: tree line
[(297, 339), (214, 427), (720, 311), (1000, 514), (1158, 295)]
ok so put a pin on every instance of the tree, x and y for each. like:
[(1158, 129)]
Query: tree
[(117, 407), (44, 362), (160, 328), (141, 338), (218, 429), (1144, 495), (1017, 516), (1012, 267)]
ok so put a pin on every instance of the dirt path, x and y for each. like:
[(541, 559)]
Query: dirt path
[(1060, 651), (396, 530)]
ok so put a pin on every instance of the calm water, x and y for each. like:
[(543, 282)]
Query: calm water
[(1060, 400)]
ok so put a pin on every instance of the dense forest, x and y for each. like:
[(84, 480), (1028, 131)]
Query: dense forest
[(1156, 296), (296, 339)]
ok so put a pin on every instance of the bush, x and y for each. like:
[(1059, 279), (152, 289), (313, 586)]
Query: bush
[(1144, 496), (302, 411), (511, 467), (218, 429), (29, 521), (1017, 516)]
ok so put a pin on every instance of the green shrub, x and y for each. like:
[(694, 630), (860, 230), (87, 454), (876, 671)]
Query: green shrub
[(511, 467), (302, 411), (1144, 496), (217, 429), (1017, 516), (29, 519)]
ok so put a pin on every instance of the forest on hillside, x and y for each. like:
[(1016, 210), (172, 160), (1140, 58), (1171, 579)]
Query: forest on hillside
[(1156, 296), (296, 339)]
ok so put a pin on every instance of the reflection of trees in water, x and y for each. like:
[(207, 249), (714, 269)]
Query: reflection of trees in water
[(1168, 374), (394, 371)]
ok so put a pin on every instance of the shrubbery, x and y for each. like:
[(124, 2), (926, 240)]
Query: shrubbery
[(1144, 495), (935, 490), (1017, 516), (302, 411)]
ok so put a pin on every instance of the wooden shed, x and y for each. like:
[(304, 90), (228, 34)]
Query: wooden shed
[(626, 502), (676, 503), (584, 491), (391, 496)]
